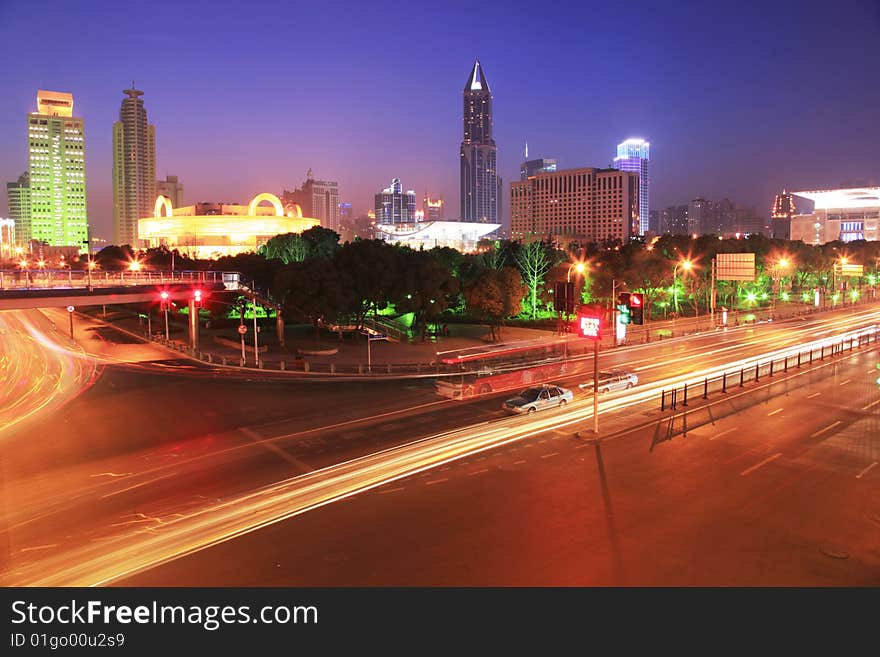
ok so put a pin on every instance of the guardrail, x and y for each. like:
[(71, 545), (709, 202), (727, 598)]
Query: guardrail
[(678, 396)]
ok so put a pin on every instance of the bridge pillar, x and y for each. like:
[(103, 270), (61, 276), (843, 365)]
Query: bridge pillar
[(193, 325), (279, 327)]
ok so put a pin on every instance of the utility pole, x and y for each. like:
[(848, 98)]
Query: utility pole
[(256, 338), (712, 296)]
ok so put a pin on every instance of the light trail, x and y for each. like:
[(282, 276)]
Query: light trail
[(174, 536)]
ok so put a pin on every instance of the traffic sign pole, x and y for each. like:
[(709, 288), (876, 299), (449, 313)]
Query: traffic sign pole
[(242, 329), (70, 310)]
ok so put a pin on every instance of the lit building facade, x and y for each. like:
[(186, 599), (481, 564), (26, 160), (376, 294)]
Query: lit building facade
[(838, 214), (480, 184), (634, 155), (316, 198), (394, 206), (172, 189), (18, 196), (57, 168), (459, 235), (433, 208), (134, 168), (531, 168), (585, 204), (212, 230)]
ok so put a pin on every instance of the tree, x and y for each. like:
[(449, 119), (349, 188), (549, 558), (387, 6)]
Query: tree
[(371, 271), (533, 263), (426, 288), (313, 290), (114, 257), (323, 242), (495, 294), (287, 247)]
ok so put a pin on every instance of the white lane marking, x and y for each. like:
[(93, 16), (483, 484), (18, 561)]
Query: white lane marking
[(518, 462), (272, 447), (843, 383), (723, 433), (476, 472), (815, 394), (778, 410), (547, 456), (390, 490), (111, 474), (436, 481), (866, 470), (821, 431), (873, 403), (38, 547), (582, 446), (758, 465)]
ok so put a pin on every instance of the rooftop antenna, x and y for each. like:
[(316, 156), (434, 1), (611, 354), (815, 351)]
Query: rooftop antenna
[(527, 149)]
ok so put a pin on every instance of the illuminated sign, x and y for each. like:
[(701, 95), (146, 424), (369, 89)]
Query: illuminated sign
[(589, 327)]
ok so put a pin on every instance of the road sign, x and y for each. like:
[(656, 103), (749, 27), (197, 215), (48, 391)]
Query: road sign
[(589, 327), (848, 270), (242, 329), (735, 266), (70, 309)]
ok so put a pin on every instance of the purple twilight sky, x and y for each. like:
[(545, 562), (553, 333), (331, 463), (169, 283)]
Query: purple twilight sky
[(737, 99)]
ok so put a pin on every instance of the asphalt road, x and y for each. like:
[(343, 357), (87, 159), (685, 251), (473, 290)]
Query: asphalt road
[(156, 445)]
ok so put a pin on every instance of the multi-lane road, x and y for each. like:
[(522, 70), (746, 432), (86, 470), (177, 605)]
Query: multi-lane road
[(155, 461)]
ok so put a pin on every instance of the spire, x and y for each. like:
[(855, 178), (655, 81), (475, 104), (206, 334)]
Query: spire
[(476, 80), (527, 149)]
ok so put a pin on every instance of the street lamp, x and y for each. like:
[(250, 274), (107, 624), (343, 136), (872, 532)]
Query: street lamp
[(579, 267), (687, 265), (90, 265), (776, 278)]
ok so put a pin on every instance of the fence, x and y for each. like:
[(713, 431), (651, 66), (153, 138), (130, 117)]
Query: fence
[(672, 399)]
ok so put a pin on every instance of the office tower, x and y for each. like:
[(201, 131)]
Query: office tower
[(585, 204), (844, 215), (654, 222), (781, 213), (171, 188), (134, 168), (433, 208), (699, 215), (634, 155), (480, 184), (18, 195), (316, 198), (57, 168), (394, 206), (533, 167), (674, 220)]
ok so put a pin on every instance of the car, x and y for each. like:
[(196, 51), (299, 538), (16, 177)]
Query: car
[(537, 398), (612, 380)]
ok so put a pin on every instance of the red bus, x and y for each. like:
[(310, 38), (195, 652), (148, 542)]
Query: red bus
[(506, 366)]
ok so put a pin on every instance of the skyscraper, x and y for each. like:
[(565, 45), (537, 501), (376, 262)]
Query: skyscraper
[(318, 199), (433, 208), (394, 206), (480, 184), (19, 196), (172, 189), (57, 167), (634, 155), (134, 168)]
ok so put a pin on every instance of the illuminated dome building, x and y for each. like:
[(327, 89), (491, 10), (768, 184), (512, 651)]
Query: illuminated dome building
[(846, 215), (212, 230), (460, 235)]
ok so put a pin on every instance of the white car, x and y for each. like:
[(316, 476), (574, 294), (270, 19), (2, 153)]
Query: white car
[(613, 380), (538, 398)]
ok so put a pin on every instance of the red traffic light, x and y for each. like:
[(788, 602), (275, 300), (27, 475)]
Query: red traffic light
[(197, 295), (635, 300), (164, 295), (589, 326)]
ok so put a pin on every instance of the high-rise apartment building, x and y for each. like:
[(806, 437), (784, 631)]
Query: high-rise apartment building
[(172, 189), (480, 184), (433, 208), (18, 195), (57, 168), (634, 155), (134, 168), (318, 199), (394, 206), (587, 204), (674, 220)]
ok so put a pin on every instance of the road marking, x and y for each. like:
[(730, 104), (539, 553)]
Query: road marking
[(547, 456), (518, 462), (580, 446), (390, 490), (723, 433), (778, 410), (821, 431), (272, 447), (758, 465), (39, 547), (843, 383), (476, 472), (815, 394), (436, 481), (871, 370), (873, 403), (866, 470), (111, 474)]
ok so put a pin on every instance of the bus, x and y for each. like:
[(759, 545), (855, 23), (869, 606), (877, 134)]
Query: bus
[(507, 366)]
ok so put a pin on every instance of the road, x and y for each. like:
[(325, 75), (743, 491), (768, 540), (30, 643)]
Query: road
[(143, 459)]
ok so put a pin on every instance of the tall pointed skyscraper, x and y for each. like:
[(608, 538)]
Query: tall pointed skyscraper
[(134, 168), (480, 185)]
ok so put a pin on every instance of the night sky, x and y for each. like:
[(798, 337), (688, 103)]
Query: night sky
[(737, 100)]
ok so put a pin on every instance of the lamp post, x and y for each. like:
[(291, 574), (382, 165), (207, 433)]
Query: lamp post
[(687, 265), (776, 279), (90, 265)]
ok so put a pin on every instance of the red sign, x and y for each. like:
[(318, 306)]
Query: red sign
[(242, 329), (589, 327), (635, 299)]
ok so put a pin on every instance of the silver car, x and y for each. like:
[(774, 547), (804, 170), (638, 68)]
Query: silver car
[(538, 398), (612, 380)]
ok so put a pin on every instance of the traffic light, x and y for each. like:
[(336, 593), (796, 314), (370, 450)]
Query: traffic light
[(564, 297), (164, 300), (197, 297), (637, 308), (623, 299)]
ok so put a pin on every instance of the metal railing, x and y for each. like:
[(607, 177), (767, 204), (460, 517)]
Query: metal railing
[(42, 279)]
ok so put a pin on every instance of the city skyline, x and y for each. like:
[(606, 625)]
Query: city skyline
[(577, 117)]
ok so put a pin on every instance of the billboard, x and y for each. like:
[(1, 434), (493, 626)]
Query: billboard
[(848, 270), (735, 266)]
